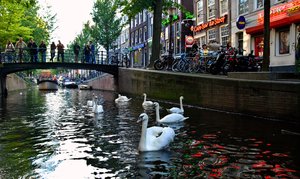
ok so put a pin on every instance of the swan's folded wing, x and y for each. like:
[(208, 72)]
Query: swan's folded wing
[(154, 131), (166, 137)]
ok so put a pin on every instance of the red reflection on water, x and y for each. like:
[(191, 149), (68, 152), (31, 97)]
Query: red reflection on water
[(209, 136), (216, 173), (280, 155), (196, 142), (278, 169), (218, 146), (266, 152), (197, 155), (261, 165)]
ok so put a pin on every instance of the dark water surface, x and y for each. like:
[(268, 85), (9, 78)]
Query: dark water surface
[(53, 135)]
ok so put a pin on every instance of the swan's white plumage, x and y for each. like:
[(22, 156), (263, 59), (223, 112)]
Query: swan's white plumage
[(90, 103), (122, 99), (176, 109), (154, 138), (170, 118), (97, 108), (146, 104)]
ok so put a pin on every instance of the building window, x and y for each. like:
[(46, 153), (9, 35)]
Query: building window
[(200, 13), (132, 38), (151, 27), (145, 33), (144, 15), (283, 41), (224, 6), (259, 4), (202, 40), (136, 20), (240, 38), (211, 9), (211, 35), (224, 35), (243, 6), (136, 37), (141, 35), (141, 17)]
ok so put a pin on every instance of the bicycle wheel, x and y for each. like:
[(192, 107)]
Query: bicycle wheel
[(175, 65), (158, 65)]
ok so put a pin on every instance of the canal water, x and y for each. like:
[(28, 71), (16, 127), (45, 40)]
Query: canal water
[(53, 135)]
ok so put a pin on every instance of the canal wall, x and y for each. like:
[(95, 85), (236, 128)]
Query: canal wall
[(103, 82), (273, 99), (14, 82)]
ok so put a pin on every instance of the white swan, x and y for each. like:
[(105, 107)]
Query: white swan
[(97, 108), (154, 138), (90, 103), (170, 118), (176, 109), (146, 104), (122, 99)]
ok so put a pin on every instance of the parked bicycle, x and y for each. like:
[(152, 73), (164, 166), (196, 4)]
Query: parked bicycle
[(164, 62)]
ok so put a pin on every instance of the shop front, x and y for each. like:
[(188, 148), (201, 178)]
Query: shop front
[(138, 55), (284, 20)]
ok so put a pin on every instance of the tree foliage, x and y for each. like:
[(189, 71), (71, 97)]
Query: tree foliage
[(20, 18), (107, 26)]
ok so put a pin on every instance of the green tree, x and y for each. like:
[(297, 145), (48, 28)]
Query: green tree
[(107, 26), (158, 7), (11, 27), (20, 18)]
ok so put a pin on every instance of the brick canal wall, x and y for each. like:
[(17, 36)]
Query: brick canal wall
[(265, 98), (13, 82)]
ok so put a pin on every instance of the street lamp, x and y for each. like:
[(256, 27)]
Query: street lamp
[(171, 13)]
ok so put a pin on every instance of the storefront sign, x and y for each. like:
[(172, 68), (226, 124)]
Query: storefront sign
[(189, 41), (211, 23), (241, 22), (281, 11), (138, 46)]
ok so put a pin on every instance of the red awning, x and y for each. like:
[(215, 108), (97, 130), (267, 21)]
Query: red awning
[(279, 23)]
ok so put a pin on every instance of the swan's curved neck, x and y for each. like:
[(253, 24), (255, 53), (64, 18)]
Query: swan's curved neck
[(145, 97), (181, 105), (143, 134), (157, 114)]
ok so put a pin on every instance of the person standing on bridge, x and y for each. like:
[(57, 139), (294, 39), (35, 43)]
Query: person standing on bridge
[(52, 51), (20, 45), (42, 50), (87, 53), (9, 50), (60, 51), (29, 45), (92, 57), (76, 49), (34, 51)]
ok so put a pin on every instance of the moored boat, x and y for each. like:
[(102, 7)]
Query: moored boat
[(70, 84), (84, 87), (46, 81)]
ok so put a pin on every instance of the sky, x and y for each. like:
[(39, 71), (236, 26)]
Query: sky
[(71, 15)]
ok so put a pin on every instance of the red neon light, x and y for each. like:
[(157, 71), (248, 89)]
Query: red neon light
[(280, 11), (211, 23)]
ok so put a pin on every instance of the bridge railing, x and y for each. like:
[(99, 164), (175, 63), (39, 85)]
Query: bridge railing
[(34, 55)]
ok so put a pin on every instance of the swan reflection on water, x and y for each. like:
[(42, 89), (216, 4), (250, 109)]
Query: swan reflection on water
[(154, 163)]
